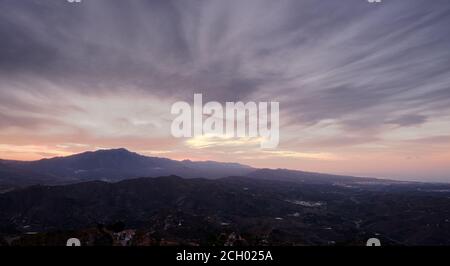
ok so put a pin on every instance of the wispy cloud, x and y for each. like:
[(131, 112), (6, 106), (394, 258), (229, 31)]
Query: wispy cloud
[(349, 75)]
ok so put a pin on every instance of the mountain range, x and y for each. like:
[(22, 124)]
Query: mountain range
[(120, 164), (118, 197), (171, 210)]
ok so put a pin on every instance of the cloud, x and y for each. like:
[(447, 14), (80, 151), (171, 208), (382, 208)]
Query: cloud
[(409, 120), (301, 155), (212, 141), (24, 151), (346, 73)]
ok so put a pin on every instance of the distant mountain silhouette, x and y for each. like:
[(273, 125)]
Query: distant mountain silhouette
[(109, 165), (120, 164), (308, 177)]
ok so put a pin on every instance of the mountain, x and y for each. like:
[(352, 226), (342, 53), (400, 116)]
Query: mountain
[(225, 169), (89, 194), (119, 164), (108, 165), (233, 210), (12, 176), (311, 177)]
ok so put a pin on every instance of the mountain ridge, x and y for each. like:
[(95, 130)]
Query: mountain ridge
[(204, 211), (119, 164)]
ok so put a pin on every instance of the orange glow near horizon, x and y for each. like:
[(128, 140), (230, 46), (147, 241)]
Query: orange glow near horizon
[(86, 80), (375, 164)]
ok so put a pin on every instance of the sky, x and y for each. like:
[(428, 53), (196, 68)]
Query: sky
[(364, 88)]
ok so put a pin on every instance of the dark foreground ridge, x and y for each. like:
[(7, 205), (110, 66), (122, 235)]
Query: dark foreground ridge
[(234, 211)]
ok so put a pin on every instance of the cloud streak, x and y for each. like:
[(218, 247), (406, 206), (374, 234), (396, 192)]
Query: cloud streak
[(349, 76)]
